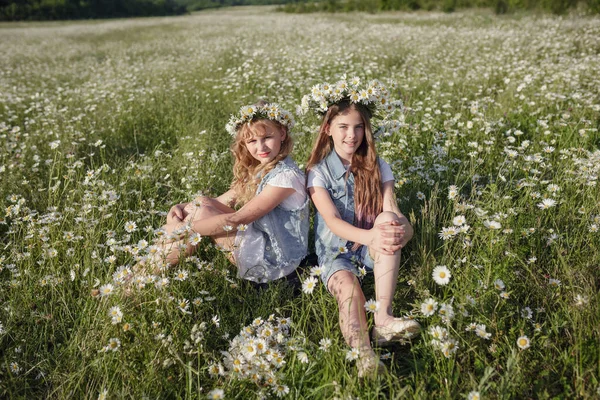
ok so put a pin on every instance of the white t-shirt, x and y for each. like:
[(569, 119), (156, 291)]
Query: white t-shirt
[(315, 178)]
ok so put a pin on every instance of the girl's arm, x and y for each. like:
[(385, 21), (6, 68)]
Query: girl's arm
[(177, 213), (389, 204), (256, 208), (381, 237), (228, 198)]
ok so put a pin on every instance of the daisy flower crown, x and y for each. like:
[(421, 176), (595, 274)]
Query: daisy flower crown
[(373, 94), (252, 112)]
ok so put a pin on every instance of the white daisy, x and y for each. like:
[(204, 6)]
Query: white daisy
[(441, 275)]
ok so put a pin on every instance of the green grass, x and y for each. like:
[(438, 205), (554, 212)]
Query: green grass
[(107, 122)]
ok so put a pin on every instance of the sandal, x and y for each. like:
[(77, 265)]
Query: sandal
[(399, 330)]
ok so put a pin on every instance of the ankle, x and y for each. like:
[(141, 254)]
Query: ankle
[(383, 319)]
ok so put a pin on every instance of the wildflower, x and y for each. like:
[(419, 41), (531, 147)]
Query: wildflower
[(554, 282), (441, 275), (324, 344), (316, 271), (113, 344), (308, 286), (474, 395), (526, 313), (420, 196), (546, 204), (459, 220), (127, 327), (428, 307), (106, 290), (480, 330), (352, 354), (103, 395), (302, 357), (438, 332), (523, 342), (343, 249), (580, 301), (14, 368), (195, 238), (216, 394), (242, 227), (181, 275), (492, 224), (372, 306), (227, 228), (215, 370), (452, 192), (449, 347), (184, 305), (115, 314), (130, 226), (448, 233), (504, 295), (447, 312), (215, 320), (281, 390), (499, 284)]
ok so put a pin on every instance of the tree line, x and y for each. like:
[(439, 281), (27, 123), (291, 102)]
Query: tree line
[(193, 5), (18, 10), (500, 6)]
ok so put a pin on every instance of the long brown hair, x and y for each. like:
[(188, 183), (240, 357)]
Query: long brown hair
[(247, 171), (368, 191)]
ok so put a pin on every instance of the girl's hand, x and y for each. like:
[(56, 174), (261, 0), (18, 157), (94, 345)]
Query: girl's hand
[(175, 230), (387, 238), (177, 213)]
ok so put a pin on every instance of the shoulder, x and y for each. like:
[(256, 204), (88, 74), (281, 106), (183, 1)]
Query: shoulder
[(382, 163), (316, 178), (287, 164), (285, 174), (386, 170)]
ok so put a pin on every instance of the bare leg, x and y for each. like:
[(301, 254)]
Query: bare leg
[(171, 251), (386, 276), (353, 321), (351, 300), (387, 328)]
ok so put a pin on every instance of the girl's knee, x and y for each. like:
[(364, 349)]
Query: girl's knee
[(386, 216), (343, 284)]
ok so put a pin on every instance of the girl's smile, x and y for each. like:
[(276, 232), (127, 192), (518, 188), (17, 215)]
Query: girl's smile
[(347, 131)]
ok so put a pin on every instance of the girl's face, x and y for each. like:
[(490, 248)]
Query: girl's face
[(347, 130), (266, 147)]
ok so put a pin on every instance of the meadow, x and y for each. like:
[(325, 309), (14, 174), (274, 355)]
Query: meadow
[(105, 124)]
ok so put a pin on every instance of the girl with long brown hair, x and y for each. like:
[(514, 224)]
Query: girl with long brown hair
[(267, 236), (358, 221)]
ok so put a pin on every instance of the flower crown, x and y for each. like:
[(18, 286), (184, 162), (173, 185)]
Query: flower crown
[(374, 95), (271, 111)]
